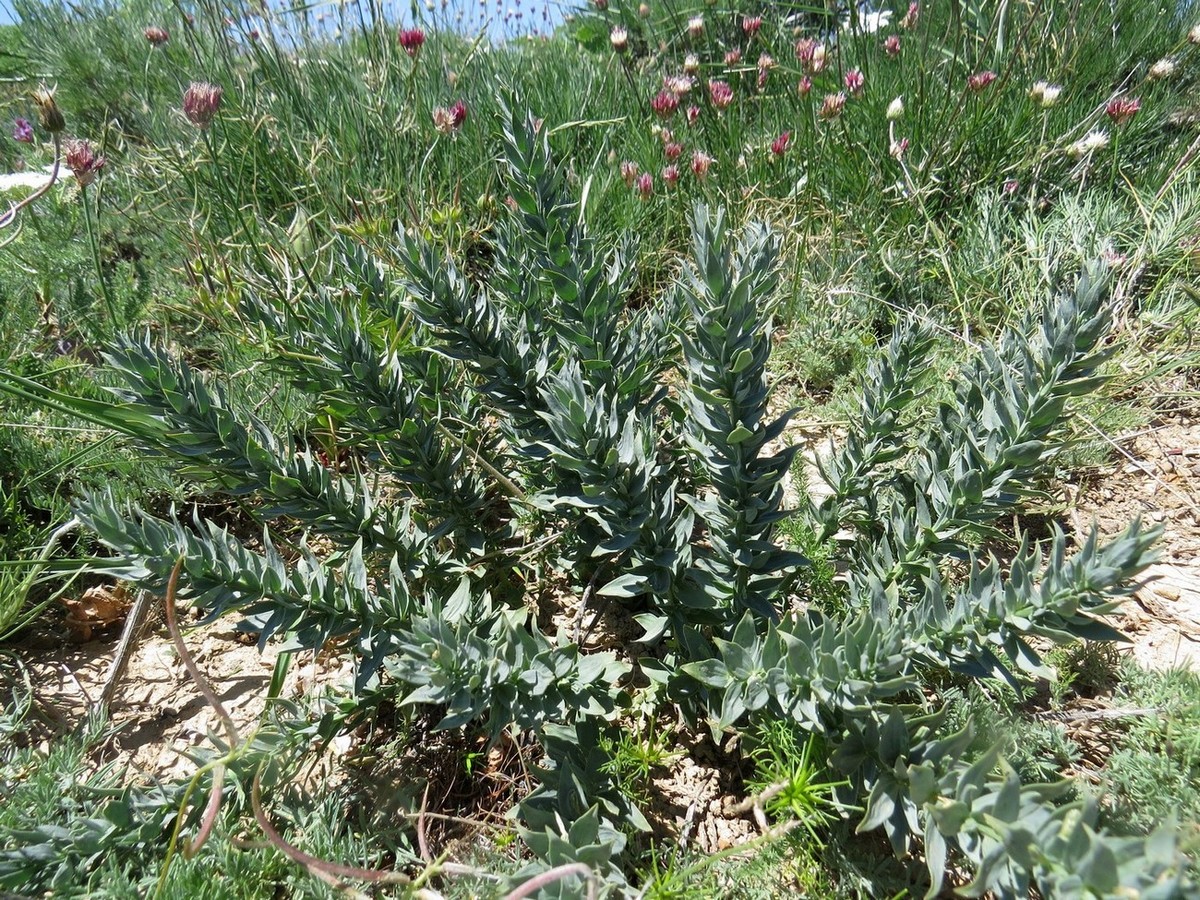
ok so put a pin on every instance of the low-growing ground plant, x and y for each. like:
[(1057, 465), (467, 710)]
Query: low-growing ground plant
[(515, 457)]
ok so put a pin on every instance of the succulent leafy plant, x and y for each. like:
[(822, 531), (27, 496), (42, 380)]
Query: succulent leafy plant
[(485, 412)]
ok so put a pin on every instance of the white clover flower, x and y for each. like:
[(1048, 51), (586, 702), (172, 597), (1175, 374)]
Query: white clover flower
[(895, 109), (1088, 144), (1045, 93)]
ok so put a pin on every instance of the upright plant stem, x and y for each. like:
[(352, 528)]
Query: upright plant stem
[(94, 243)]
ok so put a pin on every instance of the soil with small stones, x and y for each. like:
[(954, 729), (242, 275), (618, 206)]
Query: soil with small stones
[(157, 714), (1156, 478)]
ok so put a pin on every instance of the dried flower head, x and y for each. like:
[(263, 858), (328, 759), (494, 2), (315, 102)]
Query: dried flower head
[(82, 162), (201, 101), (619, 38), (1112, 258), (897, 149), (601, 5), (891, 45), (910, 18), (765, 65), (629, 172), (895, 109), (695, 26), (733, 57), (1194, 35), (22, 131), (50, 117), (1122, 109), (691, 64), (156, 36), (811, 55), (450, 120), (832, 106), (720, 93), (820, 59), (677, 84), (1162, 70), (411, 41), (978, 82)]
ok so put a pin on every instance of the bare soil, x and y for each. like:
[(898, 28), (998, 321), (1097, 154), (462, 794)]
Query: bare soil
[(1156, 478)]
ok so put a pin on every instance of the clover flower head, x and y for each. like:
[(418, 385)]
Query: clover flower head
[(1122, 109), (201, 101), (980, 81), (22, 131), (720, 93), (411, 41), (832, 106), (82, 161)]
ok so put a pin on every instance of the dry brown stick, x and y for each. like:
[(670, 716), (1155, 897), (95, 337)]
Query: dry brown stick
[(128, 643), (190, 664), (1098, 714)]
